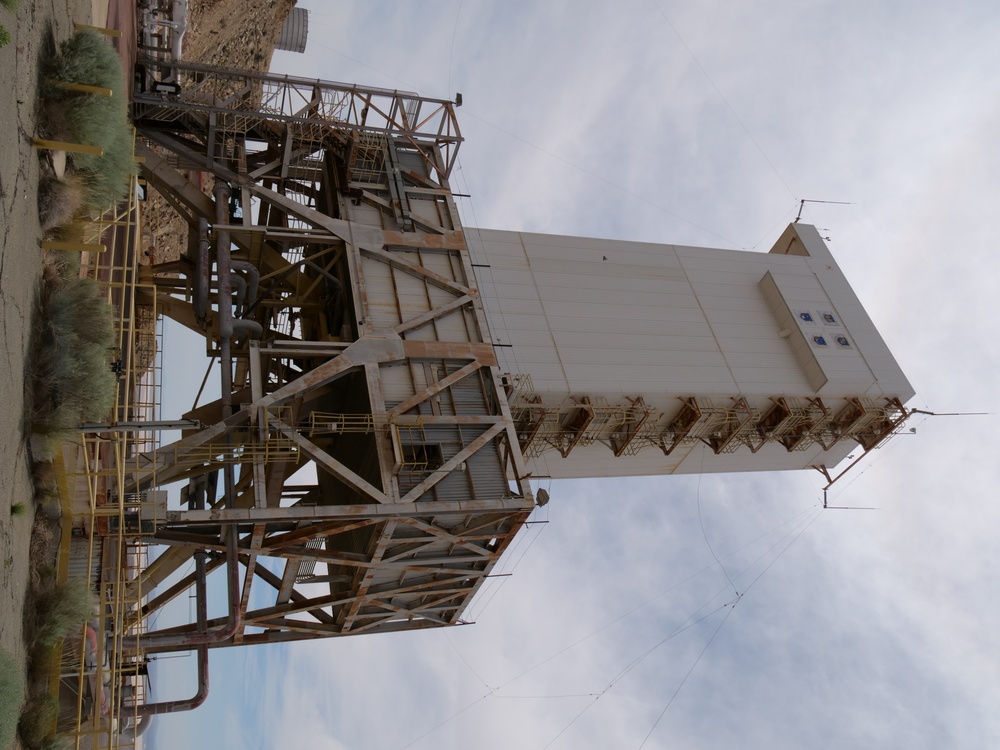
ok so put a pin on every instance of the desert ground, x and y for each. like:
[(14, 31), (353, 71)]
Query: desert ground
[(37, 28)]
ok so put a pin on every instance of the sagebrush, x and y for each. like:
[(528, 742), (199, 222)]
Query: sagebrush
[(60, 610), (91, 119), (72, 372), (38, 719), (11, 697)]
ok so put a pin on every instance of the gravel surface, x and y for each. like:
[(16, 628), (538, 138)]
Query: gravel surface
[(234, 33), (34, 31)]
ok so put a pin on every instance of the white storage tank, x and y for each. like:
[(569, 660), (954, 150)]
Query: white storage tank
[(294, 31)]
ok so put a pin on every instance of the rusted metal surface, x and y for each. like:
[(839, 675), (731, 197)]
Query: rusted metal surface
[(375, 364)]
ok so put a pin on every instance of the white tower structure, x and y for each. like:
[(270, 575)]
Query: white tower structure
[(629, 358), (423, 373)]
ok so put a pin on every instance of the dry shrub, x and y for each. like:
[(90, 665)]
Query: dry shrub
[(11, 697), (48, 498), (91, 119), (44, 475), (58, 611), (60, 200), (38, 719), (42, 553), (72, 364), (57, 742)]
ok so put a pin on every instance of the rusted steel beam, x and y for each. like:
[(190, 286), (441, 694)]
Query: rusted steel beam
[(171, 593), (301, 631), (383, 441), (280, 625), (334, 600), (425, 420), (394, 615), (250, 562), (286, 585), (270, 578), (333, 466), (309, 533), (482, 353), (434, 388), (370, 349), (420, 272), (440, 535), (431, 315), (329, 512), (169, 182), (449, 240), (163, 463), (380, 547)]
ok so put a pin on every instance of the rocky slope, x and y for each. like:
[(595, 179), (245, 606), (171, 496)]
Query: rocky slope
[(232, 34)]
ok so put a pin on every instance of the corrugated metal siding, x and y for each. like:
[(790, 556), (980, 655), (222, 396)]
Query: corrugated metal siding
[(483, 475), (648, 320)]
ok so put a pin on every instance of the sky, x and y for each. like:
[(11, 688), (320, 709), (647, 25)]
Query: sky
[(715, 611)]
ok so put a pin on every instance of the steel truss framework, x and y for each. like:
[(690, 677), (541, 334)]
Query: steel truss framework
[(355, 345)]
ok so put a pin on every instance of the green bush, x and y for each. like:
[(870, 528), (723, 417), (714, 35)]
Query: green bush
[(92, 119), (57, 742), (10, 5), (72, 367), (11, 697), (38, 719), (59, 611)]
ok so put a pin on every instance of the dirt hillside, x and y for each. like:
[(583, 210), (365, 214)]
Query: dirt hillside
[(237, 34)]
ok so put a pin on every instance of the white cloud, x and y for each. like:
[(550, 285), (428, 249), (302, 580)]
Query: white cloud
[(873, 628)]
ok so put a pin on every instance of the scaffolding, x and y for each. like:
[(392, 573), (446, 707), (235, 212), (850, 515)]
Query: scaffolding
[(726, 426), (101, 675)]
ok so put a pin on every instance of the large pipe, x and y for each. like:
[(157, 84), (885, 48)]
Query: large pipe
[(224, 299), (202, 271), (179, 24), (252, 283), (187, 704), (250, 328), (240, 284), (129, 735), (223, 262)]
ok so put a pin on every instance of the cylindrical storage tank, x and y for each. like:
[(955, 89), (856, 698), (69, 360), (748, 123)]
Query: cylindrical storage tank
[(294, 31)]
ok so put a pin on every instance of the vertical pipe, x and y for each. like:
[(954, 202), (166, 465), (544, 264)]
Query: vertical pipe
[(202, 273), (201, 608), (223, 262), (224, 297), (224, 268)]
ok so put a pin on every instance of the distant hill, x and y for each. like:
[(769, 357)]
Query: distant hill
[(237, 34)]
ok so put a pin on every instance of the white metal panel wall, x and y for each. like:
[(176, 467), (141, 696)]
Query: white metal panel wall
[(889, 377), (649, 320), (692, 458), (612, 319)]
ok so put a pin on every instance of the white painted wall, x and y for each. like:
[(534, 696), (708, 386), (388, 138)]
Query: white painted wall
[(610, 319)]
